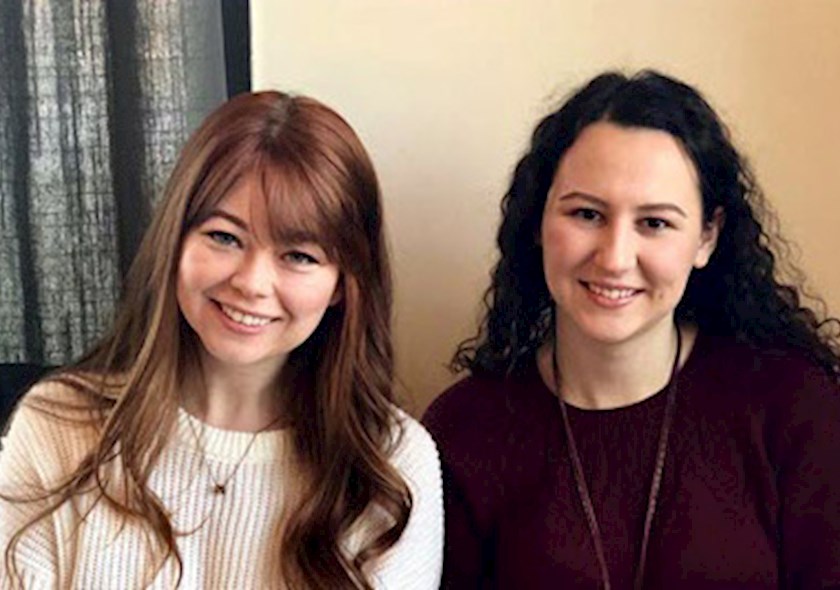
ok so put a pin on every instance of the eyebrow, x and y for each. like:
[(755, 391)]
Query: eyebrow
[(230, 217), (650, 207)]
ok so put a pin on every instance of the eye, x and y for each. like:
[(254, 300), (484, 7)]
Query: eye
[(586, 214), (656, 223), (223, 238), (300, 258)]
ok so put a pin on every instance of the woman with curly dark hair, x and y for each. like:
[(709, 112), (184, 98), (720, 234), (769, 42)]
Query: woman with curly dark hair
[(650, 404), (237, 426)]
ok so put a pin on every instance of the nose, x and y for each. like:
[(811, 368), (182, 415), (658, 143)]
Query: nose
[(617, 249), (254, 276)]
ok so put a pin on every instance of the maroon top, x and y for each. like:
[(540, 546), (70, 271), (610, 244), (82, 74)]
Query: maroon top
[(750, 495)]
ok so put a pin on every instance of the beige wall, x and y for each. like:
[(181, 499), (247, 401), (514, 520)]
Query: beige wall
[(445, 93)]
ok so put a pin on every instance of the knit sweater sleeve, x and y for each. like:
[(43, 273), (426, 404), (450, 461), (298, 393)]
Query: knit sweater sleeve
[(416, 560), (465, 558), (490, 449), (35, 454), (21, 475), (806, 442)]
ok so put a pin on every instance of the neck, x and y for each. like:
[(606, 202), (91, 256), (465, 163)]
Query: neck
[(598, 375), (234, 398)]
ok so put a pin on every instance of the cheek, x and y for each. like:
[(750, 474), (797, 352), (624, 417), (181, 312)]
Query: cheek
[(561, 250), (313, 297), (197, 267), (331, 293), (672, 265), (192, 278), (184, 289), (186, 276)]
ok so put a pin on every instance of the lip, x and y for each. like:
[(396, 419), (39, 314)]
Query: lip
[(237, 325), (610, 295)]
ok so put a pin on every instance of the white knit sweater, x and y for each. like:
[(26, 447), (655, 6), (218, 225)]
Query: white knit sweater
[(230, 540)]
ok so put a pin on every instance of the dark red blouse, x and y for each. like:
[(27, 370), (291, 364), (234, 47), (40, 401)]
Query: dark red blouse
[(750, 496)]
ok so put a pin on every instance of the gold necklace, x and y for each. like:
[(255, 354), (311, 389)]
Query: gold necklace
[(219, 488)]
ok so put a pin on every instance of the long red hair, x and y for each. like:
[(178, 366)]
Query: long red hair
[(317, 181)]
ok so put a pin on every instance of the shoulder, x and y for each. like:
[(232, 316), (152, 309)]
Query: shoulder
[(415, 560), (466, 397), (51, 403), (484, 415), (416, 458), (53, 417), (414, 449), (487, 401), (778, 374), (790, 393), (493, 435), (802, 400)]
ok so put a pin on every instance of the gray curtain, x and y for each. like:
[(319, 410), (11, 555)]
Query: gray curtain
[(96, 99)]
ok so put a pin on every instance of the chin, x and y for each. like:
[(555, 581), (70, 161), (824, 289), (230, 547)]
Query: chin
[(237, 357), (611, 339), (620, 332), (610, 333)]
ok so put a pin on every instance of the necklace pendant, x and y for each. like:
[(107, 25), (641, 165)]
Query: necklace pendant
[(219, 489)]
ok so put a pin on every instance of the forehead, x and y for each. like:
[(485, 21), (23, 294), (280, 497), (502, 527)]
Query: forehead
[(628, 166)]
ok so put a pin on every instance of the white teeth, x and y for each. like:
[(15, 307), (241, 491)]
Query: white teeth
[(244, 318), (614, 294)]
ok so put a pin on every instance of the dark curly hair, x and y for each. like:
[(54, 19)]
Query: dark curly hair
[(739, 293)]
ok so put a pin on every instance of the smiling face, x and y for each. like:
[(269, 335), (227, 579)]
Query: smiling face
[(621, 231), (250, 300)]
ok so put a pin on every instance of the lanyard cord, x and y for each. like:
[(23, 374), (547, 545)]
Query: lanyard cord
[(656, 480)]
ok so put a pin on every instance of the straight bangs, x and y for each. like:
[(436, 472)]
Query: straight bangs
[(220, 174), (303, 206)]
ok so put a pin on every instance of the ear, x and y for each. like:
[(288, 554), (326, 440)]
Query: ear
[(709, 238)]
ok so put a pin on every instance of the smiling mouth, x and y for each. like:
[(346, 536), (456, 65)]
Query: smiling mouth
[(243, 318), (613, 294)]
